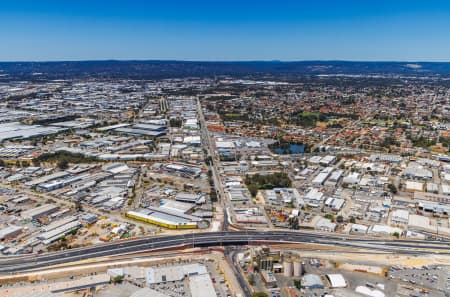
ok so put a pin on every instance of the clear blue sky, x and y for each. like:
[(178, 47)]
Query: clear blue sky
[(225, 30)]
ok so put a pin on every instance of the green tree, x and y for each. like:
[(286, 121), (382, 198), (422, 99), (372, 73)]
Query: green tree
[(63, 164), (118, 279), (251, 279), (392, 188)]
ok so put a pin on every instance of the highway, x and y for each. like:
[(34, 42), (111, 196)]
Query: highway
[(208, 239)]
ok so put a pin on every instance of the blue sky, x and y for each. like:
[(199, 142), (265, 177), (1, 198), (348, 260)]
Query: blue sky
[(372, 30)]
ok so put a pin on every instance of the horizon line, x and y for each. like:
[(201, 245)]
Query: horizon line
[(227, 61)]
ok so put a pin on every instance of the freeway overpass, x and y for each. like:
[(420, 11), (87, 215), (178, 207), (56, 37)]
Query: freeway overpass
[(24, 263)]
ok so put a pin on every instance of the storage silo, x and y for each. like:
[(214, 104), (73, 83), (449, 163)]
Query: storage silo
[(297, 268), (287, 266)]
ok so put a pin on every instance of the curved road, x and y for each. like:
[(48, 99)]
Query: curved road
[(30, 262)]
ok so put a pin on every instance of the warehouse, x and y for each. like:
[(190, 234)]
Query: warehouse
[(10, 232), (312, 281), (413, 186), (324, 224), (165, 218), (400, 216), (383, 230), (41, 211), (425, 224), (201, 285), (328, 160), (47, 178), (183, 170), (165, 274), (58, 184), (335, 204), (57, 233), (352, 178), (314, 198), (190, 197), (175, 206), (357, 228), (434, 208), (141, 132), (17, 130), (322, 176), (336, 176), (417, 171), (59, 223), (336, 281)]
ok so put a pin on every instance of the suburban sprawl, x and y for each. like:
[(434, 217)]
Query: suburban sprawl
[(337, 186)]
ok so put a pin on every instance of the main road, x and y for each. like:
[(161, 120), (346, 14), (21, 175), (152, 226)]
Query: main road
[(24, 263)]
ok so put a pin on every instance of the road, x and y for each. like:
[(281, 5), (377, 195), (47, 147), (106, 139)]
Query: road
[(207, 239), (208, 146)]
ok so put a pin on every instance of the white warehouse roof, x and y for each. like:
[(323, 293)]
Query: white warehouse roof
[(337, 281)]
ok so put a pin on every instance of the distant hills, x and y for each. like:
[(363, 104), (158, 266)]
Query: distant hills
[(171, 69)]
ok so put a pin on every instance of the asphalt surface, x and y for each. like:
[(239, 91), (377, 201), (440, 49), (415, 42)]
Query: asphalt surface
[(208, 239)]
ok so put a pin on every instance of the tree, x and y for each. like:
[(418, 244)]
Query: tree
[(251, 279), (392, 188), (352, 220), (63, 164), (293, 223), (118, 279), (329, 216), (396, 234), (253, 188), (298, 284)]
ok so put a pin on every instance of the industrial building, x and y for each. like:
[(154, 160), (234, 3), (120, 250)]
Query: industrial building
[(10, 232), (165, 218), (173, 273), (322, 176), (314, 197), (41, 211), (312, 281), (56, 234)]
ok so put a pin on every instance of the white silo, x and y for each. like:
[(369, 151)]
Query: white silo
[(297, 268), (287, 266)]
